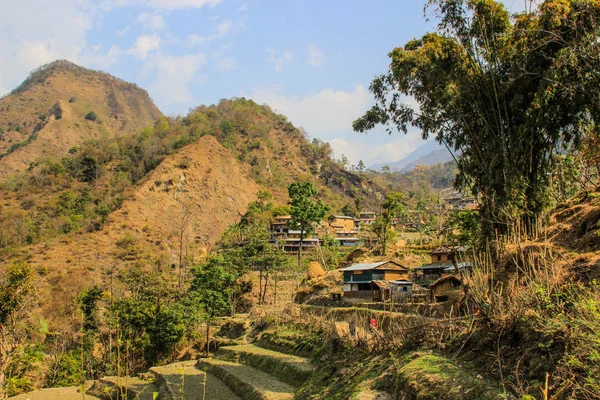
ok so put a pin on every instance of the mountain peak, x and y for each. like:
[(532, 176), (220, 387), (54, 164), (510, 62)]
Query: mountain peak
[(41, 74)]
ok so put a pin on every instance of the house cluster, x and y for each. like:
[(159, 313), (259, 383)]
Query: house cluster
[(457, 201), (341, 228), (390, 281)]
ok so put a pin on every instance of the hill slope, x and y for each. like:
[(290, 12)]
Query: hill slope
[(84, 197), (46, 114)]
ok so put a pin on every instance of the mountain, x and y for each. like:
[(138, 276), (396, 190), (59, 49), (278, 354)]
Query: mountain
[(61, 105), (83, 197), (428, 154), (440, 156)]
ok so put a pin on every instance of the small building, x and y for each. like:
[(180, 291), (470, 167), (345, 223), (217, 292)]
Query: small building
[(366, 218), (279, 226), (445, 288), (369, 281), (441, 264), (401, 290), (458, 201), (292, 244), (341, 223)]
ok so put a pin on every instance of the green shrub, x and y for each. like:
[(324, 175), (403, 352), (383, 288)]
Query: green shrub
[(91, 116)]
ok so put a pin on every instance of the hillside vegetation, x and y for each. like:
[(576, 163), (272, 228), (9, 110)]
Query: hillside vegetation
[(61, 105), (143, 192)]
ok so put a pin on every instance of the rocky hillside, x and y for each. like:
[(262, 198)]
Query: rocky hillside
[(83, 196), (60, 106)]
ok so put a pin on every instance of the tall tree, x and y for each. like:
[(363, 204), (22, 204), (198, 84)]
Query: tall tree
[(304, 211), (392, 207), (212, 288), (501, 93)]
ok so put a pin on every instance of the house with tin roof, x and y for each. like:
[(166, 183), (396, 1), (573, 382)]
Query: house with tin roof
[(441, 264), (371, 281)]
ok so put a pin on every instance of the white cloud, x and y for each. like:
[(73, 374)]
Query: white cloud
[(243, 7), (144, 44), (158, 4), (172, 76), (151, 21), (329, 114), (359, 147), (280, 58), (316, 57), (224, 27), (96, 58), (26, 41), (326, 112)]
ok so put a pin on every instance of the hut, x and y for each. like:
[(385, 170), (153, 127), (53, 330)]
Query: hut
[(445, 288)]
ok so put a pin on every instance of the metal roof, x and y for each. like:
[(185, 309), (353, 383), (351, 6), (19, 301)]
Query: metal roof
[(368, 266), (401, 282), (445, 266)]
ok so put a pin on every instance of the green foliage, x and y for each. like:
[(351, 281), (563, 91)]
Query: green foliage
[(15, 288), (392, 207), (304, 210), (88, 303), (152, 318), (66, 370), (23, 364), (213, 285), (462, 228), (91, 116), (486, 85)]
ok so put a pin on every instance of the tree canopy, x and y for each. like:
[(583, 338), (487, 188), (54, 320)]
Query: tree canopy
[(501, 92), (304, 211)]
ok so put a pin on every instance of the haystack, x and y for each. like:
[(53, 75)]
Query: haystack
[(315, 270)]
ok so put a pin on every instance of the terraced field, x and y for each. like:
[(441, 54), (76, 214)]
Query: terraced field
[(236, 372)]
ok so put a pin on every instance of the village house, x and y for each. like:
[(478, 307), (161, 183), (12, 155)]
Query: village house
[(365, 218), (343, 231), (288, 238), (341, 228), (279, 226), (457, 201), (441, 264), (371, 281)]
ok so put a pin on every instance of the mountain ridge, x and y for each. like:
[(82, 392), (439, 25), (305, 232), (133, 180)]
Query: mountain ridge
[(427, 154), (61, 105)]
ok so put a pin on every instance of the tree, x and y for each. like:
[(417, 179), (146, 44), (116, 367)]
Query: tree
[(304, 211), (500, 93), (88, 304), (182, 222), (150, 318), (212, 288), (392, 207), (462, 228), (361, 166), (15, 291)]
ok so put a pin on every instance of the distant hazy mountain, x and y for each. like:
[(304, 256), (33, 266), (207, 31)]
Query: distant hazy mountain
[(428, 154)]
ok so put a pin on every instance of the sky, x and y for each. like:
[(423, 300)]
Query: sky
[(311, 60)]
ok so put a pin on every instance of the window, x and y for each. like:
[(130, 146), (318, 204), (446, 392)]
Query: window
[(439, 258), (404, 289)]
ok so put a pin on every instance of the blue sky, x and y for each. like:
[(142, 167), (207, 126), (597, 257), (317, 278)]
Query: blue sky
[(310, 60)]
